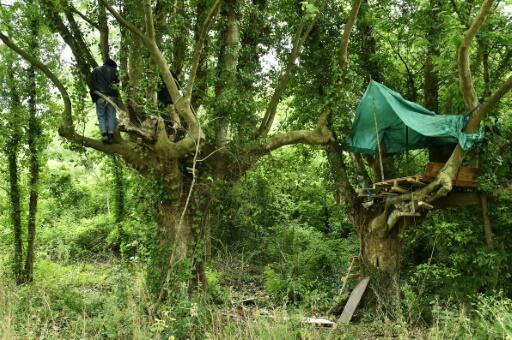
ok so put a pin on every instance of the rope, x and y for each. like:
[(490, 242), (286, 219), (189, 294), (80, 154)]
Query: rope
[(377, 135)]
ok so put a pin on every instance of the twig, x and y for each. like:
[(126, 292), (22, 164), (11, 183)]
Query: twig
[(211, 154)]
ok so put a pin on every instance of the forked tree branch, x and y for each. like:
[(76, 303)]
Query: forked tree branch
[(151, 45), (182, 104), (442, 185)]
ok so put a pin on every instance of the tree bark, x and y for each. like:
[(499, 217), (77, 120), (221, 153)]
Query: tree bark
[(169, 260), (119, 201), (380, 249)]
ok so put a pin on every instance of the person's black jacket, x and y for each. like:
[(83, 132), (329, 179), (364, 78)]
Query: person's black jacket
[(103, 77)]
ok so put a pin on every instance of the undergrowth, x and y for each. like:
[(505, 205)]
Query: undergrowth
[(110, 301)]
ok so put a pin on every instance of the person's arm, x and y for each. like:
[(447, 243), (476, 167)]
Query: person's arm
[(116, 77)]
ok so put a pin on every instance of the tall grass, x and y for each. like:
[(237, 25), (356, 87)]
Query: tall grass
[(107, 301)]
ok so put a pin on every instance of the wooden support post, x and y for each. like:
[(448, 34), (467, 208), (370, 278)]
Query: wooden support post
[(487, 221)]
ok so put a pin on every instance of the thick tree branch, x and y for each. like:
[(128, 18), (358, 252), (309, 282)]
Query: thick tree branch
[(320, 135), (85, 52), (298, 41), (465, 80), (196, 58), (148, 16), (346, 34), (131, 27), (483, 110), (84, 17), (103, 28), (125, 149), (345, 193), (66, 114)]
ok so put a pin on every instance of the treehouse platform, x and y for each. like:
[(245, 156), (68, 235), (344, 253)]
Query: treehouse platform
[(466, 180)]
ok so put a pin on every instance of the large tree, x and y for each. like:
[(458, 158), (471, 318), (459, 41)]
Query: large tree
[(216, 126)]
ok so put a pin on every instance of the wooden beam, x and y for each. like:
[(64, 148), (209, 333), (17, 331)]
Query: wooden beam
[(398, 189), (458, 199)]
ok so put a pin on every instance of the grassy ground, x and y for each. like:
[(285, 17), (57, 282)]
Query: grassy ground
[(105, 300)]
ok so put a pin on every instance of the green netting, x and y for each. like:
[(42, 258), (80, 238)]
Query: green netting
[(403, 125)]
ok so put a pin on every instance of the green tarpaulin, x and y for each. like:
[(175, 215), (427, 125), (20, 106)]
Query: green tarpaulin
[(402, 125)]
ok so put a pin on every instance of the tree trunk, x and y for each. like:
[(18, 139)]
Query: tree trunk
[(119, 210), (201, 233), (11, 150), (34, 130), (14, 196), (170, 265), (380, 259), (381, 249)]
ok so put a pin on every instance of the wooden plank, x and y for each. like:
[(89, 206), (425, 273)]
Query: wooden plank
[(322, 322), (353, 300), (465, 184), (414, 181), (399, 189), (408, 214), (466, 176)]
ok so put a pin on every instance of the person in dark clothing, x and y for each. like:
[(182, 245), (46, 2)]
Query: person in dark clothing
[(163, 95), (103, 80)]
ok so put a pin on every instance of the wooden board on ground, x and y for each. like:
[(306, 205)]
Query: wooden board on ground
[(353, 300), (319, 322)]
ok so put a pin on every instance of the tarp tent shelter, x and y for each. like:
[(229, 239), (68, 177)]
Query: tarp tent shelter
[(402, 125)]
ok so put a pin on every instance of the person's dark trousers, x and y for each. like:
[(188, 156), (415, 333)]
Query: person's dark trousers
[(106, 118)]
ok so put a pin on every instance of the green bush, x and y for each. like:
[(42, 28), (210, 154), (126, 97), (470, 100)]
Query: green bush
[(306, 267), (84, 239)]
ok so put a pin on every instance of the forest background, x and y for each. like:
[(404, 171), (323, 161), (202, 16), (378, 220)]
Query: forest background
[(227, 216)]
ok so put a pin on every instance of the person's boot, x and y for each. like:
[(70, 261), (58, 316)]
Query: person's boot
[(104, 138), (110, 138)]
